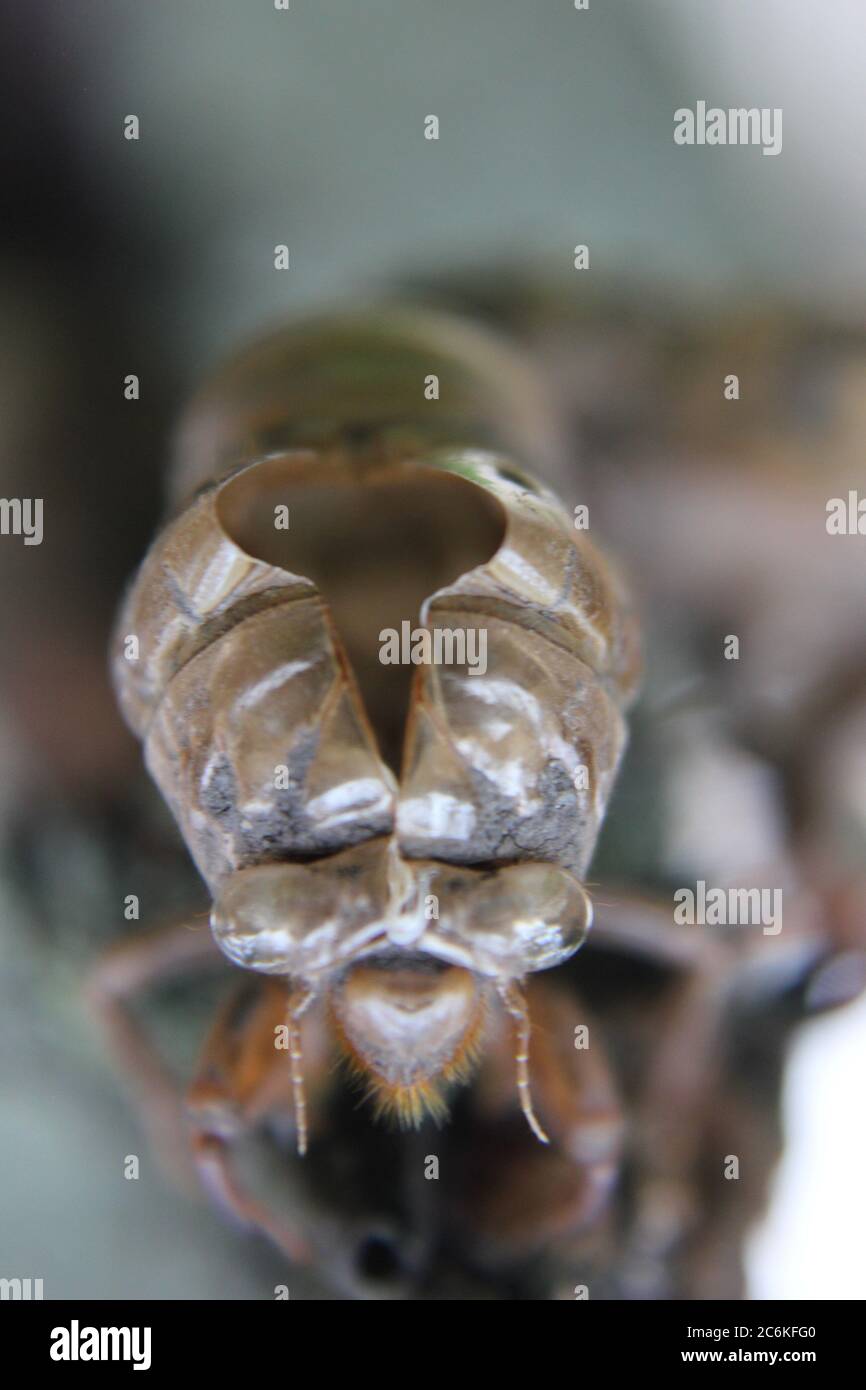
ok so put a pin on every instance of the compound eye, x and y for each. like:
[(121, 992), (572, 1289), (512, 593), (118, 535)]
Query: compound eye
[(515, 919), (298, 919)]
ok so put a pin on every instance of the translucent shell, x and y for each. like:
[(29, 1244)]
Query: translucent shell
[(252, 719), (239, 676), (309, 919), (518, 762)]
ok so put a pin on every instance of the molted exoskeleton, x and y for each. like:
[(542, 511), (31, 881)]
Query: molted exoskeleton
[(380, 682)]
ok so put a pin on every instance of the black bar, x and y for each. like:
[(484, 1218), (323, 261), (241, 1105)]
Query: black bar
[(256, 1340)]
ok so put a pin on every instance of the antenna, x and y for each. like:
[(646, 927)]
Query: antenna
[(300, 1000), (512, 997)]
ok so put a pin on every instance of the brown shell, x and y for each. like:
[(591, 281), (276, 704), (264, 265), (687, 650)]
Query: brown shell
[(241, 672)]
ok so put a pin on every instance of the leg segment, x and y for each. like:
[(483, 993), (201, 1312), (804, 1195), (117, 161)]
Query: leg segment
[(125, 970), (243, 1079), (516, 1196)]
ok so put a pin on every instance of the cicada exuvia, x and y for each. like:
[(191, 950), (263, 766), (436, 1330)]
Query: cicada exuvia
[(380, 679)]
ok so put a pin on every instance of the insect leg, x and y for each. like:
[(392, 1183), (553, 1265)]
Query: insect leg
[(212, 1154), (526, 1196), (241, 1080), (125, 970)]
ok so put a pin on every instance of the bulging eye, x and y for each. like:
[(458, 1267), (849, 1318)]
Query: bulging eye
[(299, 919), (514, 919)]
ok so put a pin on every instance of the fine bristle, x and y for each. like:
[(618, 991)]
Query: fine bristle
[(410, 1104)]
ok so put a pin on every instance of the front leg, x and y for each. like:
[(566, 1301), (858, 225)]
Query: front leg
[(124, 971), (246, 1084), (518, 1195)]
